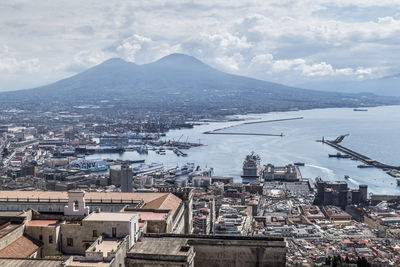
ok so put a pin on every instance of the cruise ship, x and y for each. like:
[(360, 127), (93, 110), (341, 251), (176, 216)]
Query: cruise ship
[(251, 167), (94, 165)]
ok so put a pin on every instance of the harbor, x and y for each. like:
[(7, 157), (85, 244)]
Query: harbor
[(369, 162), (223, 151)]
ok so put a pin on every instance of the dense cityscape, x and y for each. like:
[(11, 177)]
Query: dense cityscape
[(61, 205)]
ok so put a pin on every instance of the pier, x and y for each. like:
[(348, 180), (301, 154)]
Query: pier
[(259, 134), (217, 131), (287, 119), (367, 160)]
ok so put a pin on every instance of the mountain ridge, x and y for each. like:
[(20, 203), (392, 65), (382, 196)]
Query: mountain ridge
[(182, 82)]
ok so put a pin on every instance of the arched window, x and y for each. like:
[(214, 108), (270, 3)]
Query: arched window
[(76, 205)]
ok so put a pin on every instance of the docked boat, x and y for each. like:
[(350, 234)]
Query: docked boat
[(187, 168), (398, 182), (299, 164), (143, 168), (94, 165), (340, 156), (364, 166)]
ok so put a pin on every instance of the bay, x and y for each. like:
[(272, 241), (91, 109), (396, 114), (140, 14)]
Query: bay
[(374, 133)]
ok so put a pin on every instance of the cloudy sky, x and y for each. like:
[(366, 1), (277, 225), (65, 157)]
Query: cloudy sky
[(285, 41)]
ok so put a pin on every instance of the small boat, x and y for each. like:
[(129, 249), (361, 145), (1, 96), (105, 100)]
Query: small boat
[(364, 166), (340, 156), (136, 161), (398, 182), (299, 163), (360, 109), (346, 177)]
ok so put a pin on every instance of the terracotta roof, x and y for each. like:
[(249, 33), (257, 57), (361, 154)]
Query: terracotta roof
[(48, 223), (165, 202), (30, 263), (151, 216), (63, 196), (22, 247), (110, 216)]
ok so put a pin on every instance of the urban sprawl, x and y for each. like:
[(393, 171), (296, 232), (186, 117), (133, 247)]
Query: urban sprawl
[(62, 206)]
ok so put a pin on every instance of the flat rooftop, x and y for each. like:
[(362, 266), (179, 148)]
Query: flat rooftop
[(163, 200), (43, 223), (110, 216), (88, 264), (160, 246), (107, 245), (150, 216)]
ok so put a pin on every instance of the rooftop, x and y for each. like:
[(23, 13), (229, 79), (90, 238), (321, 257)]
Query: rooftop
[(150, 216), (110, 216), (30, 263), (107, 246), (7, 228), (22, 247), (88, 264), (166, 200), (160, 246), (48, 223)]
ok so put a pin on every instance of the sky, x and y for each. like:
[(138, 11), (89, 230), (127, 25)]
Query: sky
[(285, 41)]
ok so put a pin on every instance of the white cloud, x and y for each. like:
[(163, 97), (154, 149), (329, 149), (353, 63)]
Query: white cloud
[(282, 40), (10, 64)]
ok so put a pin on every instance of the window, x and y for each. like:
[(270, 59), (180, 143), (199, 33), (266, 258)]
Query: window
[(95, 233), (114, 232), (76, 205), (50, 239), (70, 242), (40, 237)]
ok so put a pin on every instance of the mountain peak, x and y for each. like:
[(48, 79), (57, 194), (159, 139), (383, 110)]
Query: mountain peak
[(113, 61), (177, 58)]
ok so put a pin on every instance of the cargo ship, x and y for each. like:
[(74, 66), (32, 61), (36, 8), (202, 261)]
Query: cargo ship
[(94, 165)]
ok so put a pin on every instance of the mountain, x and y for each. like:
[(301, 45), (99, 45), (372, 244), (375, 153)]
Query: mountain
[(386, 86), (180, 83)]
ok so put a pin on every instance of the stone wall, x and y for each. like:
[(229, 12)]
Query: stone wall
[(238, 253), (48, 248), (229, 251), (72, 231), (11, 236)]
